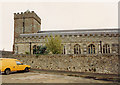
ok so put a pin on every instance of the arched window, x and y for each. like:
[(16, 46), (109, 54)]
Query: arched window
[(77, 49), (16, 49), (38, 49), (106, 48), (63, 51), (115, 48), (34, 49), (91, 49)]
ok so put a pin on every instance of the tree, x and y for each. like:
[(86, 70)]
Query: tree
[(53, 44)]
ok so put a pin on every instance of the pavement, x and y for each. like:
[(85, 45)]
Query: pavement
[(96, 76), (47, 77)]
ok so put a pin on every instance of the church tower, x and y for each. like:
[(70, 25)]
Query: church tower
[(26, 23)]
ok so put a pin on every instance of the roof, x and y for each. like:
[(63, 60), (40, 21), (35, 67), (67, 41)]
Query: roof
[(82, 30), (73, 32)]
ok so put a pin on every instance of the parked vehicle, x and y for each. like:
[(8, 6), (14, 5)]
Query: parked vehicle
[(8, 65)]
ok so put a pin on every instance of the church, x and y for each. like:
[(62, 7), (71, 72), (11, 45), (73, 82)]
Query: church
[(28, 35)]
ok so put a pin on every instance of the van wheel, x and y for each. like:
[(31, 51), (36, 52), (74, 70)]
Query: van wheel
[(26, 69), (7, 71)]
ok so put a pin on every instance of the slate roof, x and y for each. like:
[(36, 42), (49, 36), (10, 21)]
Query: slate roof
[(72, 32)]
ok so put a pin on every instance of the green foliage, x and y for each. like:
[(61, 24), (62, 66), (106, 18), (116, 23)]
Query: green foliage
[(53, 44), (40, 50), (43, 50)]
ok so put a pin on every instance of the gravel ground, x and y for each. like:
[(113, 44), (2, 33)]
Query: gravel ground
[(34, 77)]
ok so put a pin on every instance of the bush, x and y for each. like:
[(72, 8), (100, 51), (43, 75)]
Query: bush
[(53, 44)]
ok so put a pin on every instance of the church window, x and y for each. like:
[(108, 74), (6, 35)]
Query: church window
[(91, 49), (17, 49), (115, 48), (65, 35), (60, 35), (23, 24), (34, 49), (38, 49), (77, 49), (106, 48), (63, 51), (75, 35)]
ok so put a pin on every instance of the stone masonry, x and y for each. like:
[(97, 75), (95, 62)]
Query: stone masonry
[(76, 63)]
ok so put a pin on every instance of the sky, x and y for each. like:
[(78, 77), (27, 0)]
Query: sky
[(58, 15)]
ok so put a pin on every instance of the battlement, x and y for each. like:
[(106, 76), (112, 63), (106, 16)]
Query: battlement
[(27, 14)]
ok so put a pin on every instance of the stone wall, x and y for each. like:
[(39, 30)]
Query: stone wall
[(79, 63), (6, 52)]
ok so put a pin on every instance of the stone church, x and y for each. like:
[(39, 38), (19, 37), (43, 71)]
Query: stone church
[(28, 35)]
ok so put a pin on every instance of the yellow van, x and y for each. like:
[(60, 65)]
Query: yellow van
[(8, 65)]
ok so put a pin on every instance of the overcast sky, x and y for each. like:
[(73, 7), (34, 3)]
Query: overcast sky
[(95, 14)]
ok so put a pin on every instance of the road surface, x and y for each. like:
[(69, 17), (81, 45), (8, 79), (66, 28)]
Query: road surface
[(35, 77)]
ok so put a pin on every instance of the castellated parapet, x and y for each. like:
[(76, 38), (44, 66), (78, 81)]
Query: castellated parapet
[(27, 14)]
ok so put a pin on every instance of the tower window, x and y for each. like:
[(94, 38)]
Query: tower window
[(23, 24)]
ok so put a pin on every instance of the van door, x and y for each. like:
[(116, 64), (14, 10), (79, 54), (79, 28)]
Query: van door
[(12, 65), (20, 66)]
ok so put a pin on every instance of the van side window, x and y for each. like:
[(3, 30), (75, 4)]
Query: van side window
[(18, 63)]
